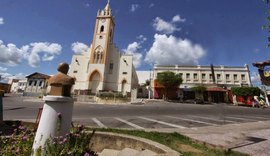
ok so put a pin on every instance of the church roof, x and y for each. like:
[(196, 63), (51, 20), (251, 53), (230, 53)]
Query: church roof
[(38, 76)]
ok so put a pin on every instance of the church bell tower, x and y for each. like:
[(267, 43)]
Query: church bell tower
[(103, 35)]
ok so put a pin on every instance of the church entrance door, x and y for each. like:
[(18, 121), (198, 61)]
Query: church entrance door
[(94, 82), (124, 87)]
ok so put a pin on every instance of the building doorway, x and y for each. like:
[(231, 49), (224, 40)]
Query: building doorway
[(124, 87), (94, 81)]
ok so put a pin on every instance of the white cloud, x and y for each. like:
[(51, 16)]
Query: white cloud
[(34, 60), (257, 50), (134, 7), (34, 53), (3, 69), (87, 5), (163, 26), (133, 49), (1, 20), (151, 5), (11, 55), (177, 18), (166, 27), (169, 50), (79, 47), (44, 51), (142, 38), (7, 76)]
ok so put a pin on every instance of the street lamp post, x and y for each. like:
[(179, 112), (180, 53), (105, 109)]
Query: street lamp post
[(149, 88)]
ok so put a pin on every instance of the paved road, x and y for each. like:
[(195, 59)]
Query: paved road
[(152, 115)]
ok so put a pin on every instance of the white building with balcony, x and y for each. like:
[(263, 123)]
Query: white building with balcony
[(225, 77)]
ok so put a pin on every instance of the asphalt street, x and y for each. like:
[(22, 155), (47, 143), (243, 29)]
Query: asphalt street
[(152, 115)]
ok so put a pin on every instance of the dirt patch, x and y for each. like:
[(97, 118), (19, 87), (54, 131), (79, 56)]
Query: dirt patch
[(188, 148)]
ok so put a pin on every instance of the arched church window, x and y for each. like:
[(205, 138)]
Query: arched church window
[(100, 57), (96, 57), (102, 28)]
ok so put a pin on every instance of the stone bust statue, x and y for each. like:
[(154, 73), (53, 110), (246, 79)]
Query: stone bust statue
[(61, 83)]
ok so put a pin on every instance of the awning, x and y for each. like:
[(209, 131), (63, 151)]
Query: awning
[(216, 89)]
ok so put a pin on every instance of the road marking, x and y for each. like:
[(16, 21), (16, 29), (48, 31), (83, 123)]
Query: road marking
[(129, 123), (101, 125), (208, 118), (244, 119), (161, 122), (258, 117), (184, 119)]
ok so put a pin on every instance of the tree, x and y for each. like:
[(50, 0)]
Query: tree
[(199, 90), (147, 82), (169, 80), (246, 91)]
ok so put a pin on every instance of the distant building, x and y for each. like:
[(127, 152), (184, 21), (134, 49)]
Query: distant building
[(225, 78), (17, 85), (13, 85), (5, 87), (36, 84), (103, 67)]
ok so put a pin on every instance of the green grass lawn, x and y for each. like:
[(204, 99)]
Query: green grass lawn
[(177, 142)]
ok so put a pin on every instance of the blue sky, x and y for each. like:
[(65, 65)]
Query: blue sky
[(37, 35)]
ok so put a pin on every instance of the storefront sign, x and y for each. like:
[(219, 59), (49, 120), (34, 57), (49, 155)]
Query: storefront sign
[(266, 71)]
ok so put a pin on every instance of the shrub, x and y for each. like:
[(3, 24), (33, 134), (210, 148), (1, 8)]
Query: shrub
[(246, 91), (111, 95)]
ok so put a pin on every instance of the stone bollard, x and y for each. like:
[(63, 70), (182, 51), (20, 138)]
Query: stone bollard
[(57, 111)]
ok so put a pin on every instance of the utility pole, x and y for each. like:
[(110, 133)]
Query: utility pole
[(149, 88), (265, 94)]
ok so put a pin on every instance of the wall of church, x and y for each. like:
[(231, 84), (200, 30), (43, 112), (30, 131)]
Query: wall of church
[(112, 68), (78, 69), (125, 72)]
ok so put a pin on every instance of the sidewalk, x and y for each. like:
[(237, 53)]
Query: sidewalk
[(250, 138)]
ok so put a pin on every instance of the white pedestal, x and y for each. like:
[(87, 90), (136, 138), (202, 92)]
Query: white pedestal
[(48, 125)]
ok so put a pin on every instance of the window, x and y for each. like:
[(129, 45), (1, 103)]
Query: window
[(195, 76), (227, 76), (235, 77), (181, 75), (203, 76), (30, 83), (40, 83), (111, 66), (124, 73), (35, 83), (75, 71), (188, 76), (101, 28), (218, 76), (100, 37), (243, 77)]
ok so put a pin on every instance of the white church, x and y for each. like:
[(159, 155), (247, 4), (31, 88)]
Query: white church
[(103, 67)]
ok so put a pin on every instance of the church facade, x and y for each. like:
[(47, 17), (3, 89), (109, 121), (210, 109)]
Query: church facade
[(103, 67)]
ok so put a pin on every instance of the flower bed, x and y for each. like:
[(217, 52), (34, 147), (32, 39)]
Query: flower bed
[(77, 142)]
